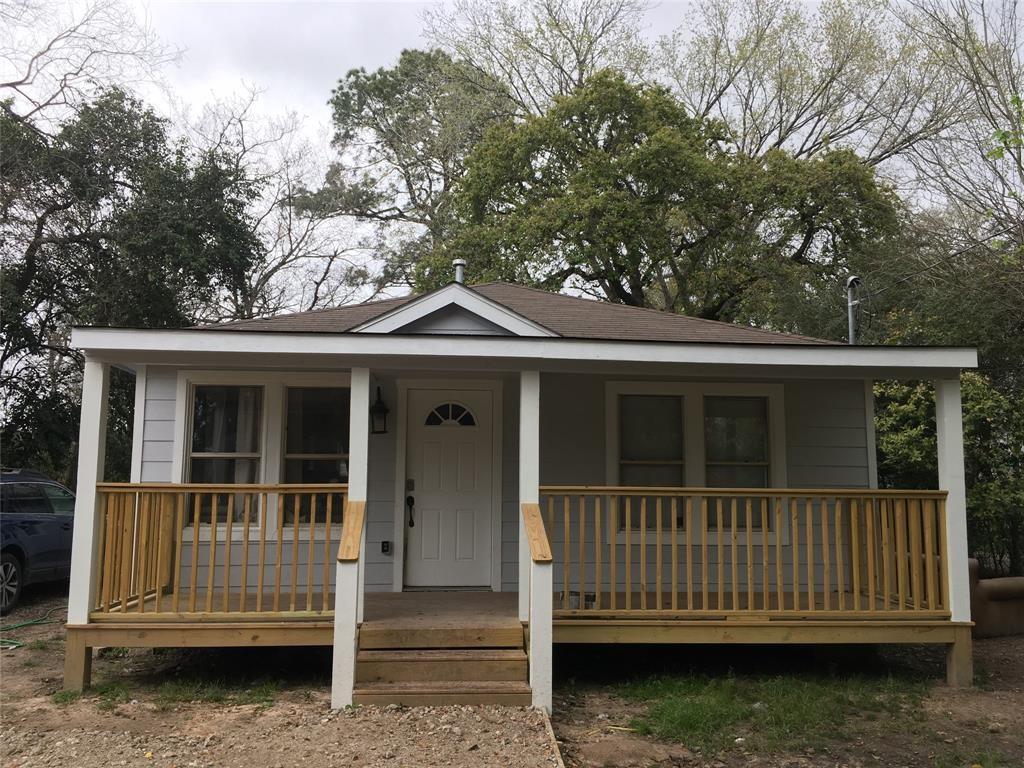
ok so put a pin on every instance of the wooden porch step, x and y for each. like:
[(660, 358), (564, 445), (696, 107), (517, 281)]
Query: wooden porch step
[(433, 693), (477, 664), (388, 636)]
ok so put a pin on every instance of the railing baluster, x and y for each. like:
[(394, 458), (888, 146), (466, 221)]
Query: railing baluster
[(870, 546), (643, 553), (179, 518), (734, 575), (705, 569), (141, 550), (582, 575), (780, 585), (928, 511), (310, 551), (720, 537), (657, 554), (855, 552), (763, 502), (812, 588), (159, 562), (296, 507), (674, 543), (629, 554), (106, 557), (243, 597), (566, 551), (613, 535), (886, 556), (826, 560), (914, 515), (901, 552), (225, 604), (212, 563), (943, 554), (262, 551), (598, 512), (840, 566), (278, 550), (794, 546), (194, 573), (688, 552), (327, 551), (750, 555)]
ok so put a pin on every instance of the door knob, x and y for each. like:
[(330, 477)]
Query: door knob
[(410, 502)]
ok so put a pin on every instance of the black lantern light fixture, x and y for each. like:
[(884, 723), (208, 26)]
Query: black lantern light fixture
[(379, 416)]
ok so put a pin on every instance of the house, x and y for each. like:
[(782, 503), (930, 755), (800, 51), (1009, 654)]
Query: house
[(443, 486)]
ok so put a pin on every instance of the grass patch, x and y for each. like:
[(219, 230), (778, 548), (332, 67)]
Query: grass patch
[(113, 652), (63, 698), (212, 691), (111, 694), (771, 713), (39, 645)]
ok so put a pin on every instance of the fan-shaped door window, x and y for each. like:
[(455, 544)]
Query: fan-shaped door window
[(450, 414)]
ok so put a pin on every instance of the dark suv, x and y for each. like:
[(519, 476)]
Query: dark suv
[(36, 520)]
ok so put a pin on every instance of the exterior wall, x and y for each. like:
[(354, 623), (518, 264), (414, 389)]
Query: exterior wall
[(827, 446), (158, 424)]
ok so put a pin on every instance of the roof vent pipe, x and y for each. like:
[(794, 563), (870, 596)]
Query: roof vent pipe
[(851, 308), (460, 271)]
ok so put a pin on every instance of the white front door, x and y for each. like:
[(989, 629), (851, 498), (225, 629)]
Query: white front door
[(449, 482)]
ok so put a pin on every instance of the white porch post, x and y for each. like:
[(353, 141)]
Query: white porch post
[(949, 428), (348, 590), (949, 431), (535, 579), (91, 455), (92, 434)]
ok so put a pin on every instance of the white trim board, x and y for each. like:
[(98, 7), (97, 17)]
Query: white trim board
[(458, 295), (290, 348), (495, 386), (138, 424)]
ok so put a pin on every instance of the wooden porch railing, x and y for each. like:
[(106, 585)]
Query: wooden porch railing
[(705, 552), (216, 550)]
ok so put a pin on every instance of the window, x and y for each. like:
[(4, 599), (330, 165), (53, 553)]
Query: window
[(651, 444), (450, 414), (316, 442), (62, 500), (24, 499), (652, 450), (736, 452), (225, 446)]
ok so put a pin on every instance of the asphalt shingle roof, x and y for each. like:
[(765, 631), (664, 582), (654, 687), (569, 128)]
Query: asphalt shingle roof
[(566, 316)]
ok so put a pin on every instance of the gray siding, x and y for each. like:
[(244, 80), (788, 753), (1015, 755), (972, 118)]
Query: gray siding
[(826, 446), (158, 424)]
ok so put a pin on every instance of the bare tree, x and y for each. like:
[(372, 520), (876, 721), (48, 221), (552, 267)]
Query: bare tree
[(540, 49), (780, 75), (977, 167), (308, 259), (54, 55)]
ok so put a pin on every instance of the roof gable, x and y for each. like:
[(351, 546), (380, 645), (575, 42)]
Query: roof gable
[(467, 303)]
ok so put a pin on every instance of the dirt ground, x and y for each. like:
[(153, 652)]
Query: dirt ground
[(139, 713), (269, 709), (981, 727)]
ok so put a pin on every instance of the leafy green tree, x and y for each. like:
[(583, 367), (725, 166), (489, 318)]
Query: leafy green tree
[(402, 134), (617, 189), (994, 460), (105, 221)]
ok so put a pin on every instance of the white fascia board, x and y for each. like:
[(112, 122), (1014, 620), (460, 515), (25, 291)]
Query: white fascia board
[(458, 295), (120, 343)]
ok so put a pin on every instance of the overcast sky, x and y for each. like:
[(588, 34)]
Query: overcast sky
[(295, 52)]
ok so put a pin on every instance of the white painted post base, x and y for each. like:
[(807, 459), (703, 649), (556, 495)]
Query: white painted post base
[(541, 596), (346, 591), (950, 440)]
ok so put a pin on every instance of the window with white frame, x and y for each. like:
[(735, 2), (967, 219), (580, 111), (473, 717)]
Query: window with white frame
[(736, 454), (315, 443), (225, 445), (652, 445), (678, 434)]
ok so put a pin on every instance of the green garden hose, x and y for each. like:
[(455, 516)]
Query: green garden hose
[(9, 644)]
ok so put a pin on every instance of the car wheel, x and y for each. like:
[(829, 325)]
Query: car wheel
[(10, 582)]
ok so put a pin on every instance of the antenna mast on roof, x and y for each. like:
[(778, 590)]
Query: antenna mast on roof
[(851, 305)]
